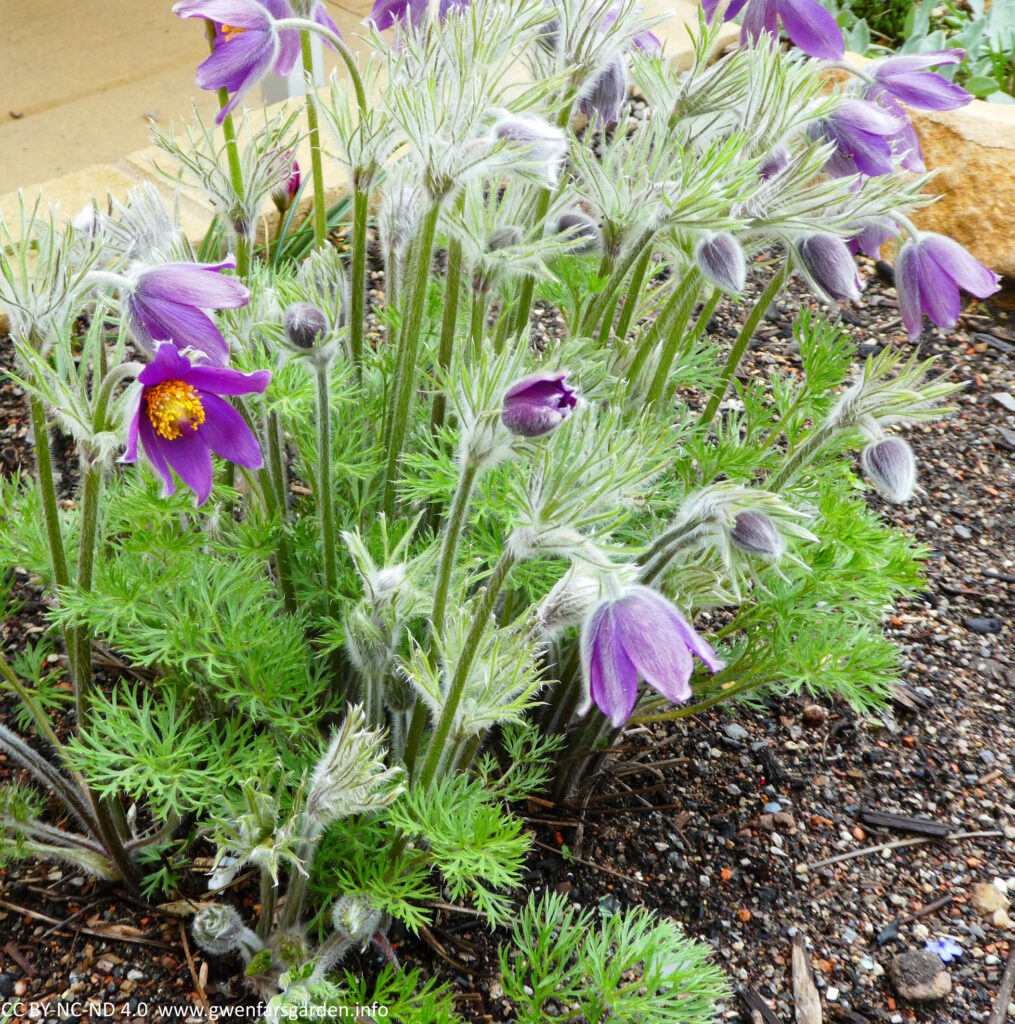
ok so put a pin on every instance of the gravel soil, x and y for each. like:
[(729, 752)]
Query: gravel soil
[(720, 821)]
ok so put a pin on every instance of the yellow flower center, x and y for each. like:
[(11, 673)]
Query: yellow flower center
[(173, 405), (231, 32)]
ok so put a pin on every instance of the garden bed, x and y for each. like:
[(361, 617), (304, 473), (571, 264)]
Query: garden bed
[(680, 823)]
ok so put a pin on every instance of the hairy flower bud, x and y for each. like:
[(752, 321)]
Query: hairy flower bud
[(568, 602), (720, 258), (545, 144), (891, 467), (829, 264), (355, 917), (773, 163), (218, 930), (756, 534), (305, 325), (607, 92), (537, 404), (504, 238), (582, 228), (285, 193)]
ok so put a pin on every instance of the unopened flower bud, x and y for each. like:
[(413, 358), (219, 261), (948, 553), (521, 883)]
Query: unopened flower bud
[(720, 259), (305, 325), (891, 467), (582, 228), (538, 404), (606, 94), (355, 917), (284, 195), (568, 602), (829, 263), (218, 929), (546, 144), (504, 238), (773, 163), (756, 534)]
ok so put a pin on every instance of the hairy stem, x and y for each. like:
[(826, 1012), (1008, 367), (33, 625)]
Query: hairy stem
[(674, 337), (92, 490), (314, 133), (633, 292), (358, 282), (324, 496), (408, 348), (449, 322), (779, 278)]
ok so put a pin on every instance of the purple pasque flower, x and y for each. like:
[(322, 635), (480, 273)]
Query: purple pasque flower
[(864, 134), (871, 236), (808, 25), (284, 195), (829, 264), (604, 95), (247, 44), (646, 40), (720, 259), (181, 418), (908, 80), (638, 635), (537, 404), (387, 13), (166, 303), (929, 272)]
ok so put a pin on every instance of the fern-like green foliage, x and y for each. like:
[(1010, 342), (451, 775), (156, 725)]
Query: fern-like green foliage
[(627, 968)]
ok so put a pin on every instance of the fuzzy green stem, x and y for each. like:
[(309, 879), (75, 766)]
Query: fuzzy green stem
[(268, 901), (674, 336), (477, 320), (338, 44), (450, 321), (647, 343), (314, 133), (408, 347), (779, 278), (620, 267), (799, 457), (358, 284), (468, 653), (274, 484), (324, 496), (42, 723), (633, 292), (449, 548), (92, 489)]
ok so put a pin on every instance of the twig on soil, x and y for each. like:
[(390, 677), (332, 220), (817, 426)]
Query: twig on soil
[(589, 864), (803, 869), (136, 940), (431, 940), (198, 987), (1003, 998)]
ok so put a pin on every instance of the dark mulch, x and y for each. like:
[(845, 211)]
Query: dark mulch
[(685, 818)]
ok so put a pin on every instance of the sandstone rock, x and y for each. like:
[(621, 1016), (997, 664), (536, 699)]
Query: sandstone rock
[(986, 898), (1000, 919), (814, 715), (919, 976)]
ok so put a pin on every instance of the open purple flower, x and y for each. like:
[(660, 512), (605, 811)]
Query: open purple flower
[(639, 634), (166, 303), (808, 25), (908, 80), (535, 405), (871, 236), (864, 134), (247, 43), (181, 419), (929, 272)]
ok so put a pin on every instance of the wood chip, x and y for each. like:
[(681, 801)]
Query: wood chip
[(757, 1006), (905, 823), (807, 1001)]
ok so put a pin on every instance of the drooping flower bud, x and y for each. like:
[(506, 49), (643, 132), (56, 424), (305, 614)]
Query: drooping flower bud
[(582, 228), (537, 404), (218, 930), (355, 917), (607, 92), (756, 534), (891, 467), (305, 325), (720, 258), (568, 602), (830, 266), (504, 238)]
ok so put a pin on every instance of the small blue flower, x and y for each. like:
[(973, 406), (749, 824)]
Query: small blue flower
[(948, 949)]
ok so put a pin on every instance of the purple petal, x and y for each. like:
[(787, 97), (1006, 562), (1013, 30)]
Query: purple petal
[(168, 364), (613, 679), (958, 264), (762, 18), (288, 51), (183, 325), (234, 62), (194, 284), (925, 90), (907, 287), (226, 433), (240, 13), (221, 380), (190, 457), (322, 18), (387, 13), (130, 452), (939, 294), (154, 449), (645, 630), (812, 28)]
